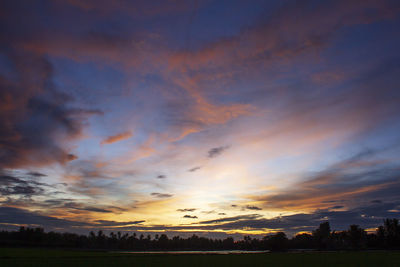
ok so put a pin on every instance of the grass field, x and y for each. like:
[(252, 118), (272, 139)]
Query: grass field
[(48, 257)]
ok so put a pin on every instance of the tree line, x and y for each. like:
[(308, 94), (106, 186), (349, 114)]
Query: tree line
[(387, 236)]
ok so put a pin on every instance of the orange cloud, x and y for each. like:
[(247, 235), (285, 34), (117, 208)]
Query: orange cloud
[(116, 138), (146, 149)]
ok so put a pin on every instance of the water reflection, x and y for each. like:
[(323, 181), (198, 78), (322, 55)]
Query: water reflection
[(222, 252)]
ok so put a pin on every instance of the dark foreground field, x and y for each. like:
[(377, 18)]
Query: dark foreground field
[(46, 257)]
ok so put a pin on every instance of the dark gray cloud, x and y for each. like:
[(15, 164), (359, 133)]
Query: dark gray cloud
[(11, 215), (161, 195), (186, 210), (336, 207), (36, 174), (35, 118), (190, 217), (248, 207), (27, 192), (114, 223), (88, 208), (194, 169), (14, 186), (216, 151), (58, 202), (68, 205), (229, 219)]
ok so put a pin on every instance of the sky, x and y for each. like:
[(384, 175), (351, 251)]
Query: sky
[(210, 117)]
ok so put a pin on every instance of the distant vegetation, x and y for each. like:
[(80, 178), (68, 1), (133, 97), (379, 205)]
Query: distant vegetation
[(387, 236)]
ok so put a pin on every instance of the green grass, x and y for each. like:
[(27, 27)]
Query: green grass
[(48, 257)]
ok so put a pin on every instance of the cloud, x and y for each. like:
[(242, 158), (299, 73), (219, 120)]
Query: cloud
[(194, 169), (185, 210), (116, 138), (358, 179), (230, 219), (114, 223), (368, 216), (36, 119), (23, 217), (198, 113), (208, 211), (190, 217), (15, 187), (277, 40), (283, 36), (46, 200), (17, 216), (248, 207), (36, 174), (336, 207), (216, 151), (161, 195), (79, 206), (273, 39)]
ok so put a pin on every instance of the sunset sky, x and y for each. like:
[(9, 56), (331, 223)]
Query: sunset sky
[(214, 117)]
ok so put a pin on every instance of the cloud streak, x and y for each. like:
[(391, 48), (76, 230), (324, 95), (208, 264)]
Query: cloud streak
[(189, 217), (216, 151), (186, 210), (116, 138), (161, 195)]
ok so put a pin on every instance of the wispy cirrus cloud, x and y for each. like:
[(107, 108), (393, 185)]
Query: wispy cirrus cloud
[(186, 210), (194, 169), (116, 138), (161, 195)]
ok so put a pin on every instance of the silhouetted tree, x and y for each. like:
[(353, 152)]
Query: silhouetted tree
[(387, 236), (322, 235), (303, 241), (357, 236), (276, 242), (390, 232)]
